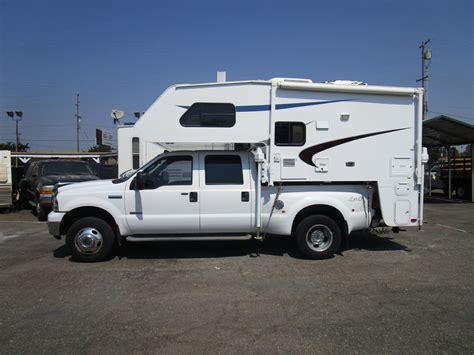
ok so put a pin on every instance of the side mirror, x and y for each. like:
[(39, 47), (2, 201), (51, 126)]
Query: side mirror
[(139, 181)]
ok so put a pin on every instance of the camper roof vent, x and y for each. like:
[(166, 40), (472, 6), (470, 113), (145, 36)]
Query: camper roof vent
[(292, 80), (345, 82)]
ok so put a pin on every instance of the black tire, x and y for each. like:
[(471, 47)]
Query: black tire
[(326, 240), (83, 229), (463, 191), (42, 212)]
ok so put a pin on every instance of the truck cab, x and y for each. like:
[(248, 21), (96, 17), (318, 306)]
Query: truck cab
[(204, 195), (205, 192)]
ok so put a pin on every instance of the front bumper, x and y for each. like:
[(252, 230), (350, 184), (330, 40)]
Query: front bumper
[(46, 200), (54, 224)]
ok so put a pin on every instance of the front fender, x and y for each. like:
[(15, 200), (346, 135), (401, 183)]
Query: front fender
[(113, 207)]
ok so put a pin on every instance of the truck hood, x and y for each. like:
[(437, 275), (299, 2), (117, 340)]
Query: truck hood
[(65, 178), (97, 185)]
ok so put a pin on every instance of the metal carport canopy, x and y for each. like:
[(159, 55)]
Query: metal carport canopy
[(446, 131)]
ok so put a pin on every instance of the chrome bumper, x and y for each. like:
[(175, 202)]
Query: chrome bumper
[(54, 224), (46, 199)]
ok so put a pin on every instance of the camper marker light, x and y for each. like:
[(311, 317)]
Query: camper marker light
[(345, 117)]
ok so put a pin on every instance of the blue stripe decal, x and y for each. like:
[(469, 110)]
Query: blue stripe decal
[(252, 108), (303, 104), (257, 108)]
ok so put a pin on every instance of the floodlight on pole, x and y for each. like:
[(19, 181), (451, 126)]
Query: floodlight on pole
[(16, 116)]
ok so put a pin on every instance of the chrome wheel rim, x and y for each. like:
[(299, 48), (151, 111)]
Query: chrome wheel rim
[(319, 237), (88, 240)]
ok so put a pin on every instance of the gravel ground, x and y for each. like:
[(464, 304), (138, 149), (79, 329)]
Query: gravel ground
[(410, 292)]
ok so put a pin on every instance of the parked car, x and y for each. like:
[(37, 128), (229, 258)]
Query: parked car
[(41, 176)]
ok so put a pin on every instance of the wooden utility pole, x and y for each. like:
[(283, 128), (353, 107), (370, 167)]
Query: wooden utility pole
[(78, 121), (425, 57)]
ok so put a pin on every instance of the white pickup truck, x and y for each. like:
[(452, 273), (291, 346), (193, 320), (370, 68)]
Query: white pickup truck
[(203, 195)]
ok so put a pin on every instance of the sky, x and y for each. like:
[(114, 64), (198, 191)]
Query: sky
[(122, 54)]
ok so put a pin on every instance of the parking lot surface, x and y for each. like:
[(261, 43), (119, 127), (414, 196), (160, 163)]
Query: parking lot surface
[(409, 292)]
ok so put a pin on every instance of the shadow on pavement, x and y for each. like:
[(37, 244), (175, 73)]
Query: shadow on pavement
[(273, 245), (373, 242)]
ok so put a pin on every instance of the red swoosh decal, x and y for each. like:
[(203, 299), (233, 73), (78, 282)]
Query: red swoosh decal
[(307, 154)]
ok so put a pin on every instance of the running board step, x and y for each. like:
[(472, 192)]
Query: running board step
[(187, 238)]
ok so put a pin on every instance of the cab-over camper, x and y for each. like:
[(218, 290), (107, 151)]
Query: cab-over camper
[(314, 161)]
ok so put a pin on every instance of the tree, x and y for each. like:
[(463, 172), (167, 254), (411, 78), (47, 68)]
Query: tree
[(100, 149), (467, 150), (12, 147)]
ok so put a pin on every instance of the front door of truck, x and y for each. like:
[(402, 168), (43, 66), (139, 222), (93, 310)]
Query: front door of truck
[(169, 202), (225, 193)]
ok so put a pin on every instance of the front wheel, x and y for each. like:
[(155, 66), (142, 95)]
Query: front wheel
[(318, 237), (90, 239)]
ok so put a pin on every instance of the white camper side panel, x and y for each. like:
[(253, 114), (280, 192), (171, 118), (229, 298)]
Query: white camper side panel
[(353, 137), (5, 179), (349, 137), (124, 148), (161, 122)]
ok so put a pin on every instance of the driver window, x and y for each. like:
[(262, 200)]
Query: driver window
[(170, 170)]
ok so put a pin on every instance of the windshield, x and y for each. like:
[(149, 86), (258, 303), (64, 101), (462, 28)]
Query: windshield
[(127, 174), (61, 168), (124, 176)]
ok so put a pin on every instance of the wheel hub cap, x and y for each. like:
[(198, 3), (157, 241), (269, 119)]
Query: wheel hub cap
[(319, 237), (88, 240)]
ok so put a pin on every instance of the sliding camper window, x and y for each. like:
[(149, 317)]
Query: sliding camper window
[(223, 170), (290, 133), (203, 114)]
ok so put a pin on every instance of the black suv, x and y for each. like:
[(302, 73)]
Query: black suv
[(41, 176)]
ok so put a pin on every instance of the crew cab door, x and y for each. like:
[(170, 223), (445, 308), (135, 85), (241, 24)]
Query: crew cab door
[(169, 202), (225, 192)]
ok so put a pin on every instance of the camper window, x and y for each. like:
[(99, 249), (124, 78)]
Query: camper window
[(203, 114), (223, 170), (290, 133), (136, 152)]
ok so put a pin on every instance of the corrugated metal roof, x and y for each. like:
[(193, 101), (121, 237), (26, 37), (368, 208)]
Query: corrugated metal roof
[(446, 131)]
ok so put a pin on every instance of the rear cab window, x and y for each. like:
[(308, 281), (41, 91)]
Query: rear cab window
[(223, 170)]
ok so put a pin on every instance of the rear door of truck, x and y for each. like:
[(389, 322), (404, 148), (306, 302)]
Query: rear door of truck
[(225, 192)]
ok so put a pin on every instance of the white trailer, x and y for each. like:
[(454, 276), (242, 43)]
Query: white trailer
[(323, 160), (335, 133), (5, 179)]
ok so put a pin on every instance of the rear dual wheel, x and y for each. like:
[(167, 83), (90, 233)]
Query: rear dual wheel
[(318, 237)]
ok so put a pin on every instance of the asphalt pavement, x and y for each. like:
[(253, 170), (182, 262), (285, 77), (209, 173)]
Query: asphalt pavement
[(410, 292)]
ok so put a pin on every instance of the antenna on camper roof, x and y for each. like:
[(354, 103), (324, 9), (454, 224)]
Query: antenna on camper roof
[(116, 115)]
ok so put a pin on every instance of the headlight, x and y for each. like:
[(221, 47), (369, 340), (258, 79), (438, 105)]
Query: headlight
[(47, 190), (55, 203)]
